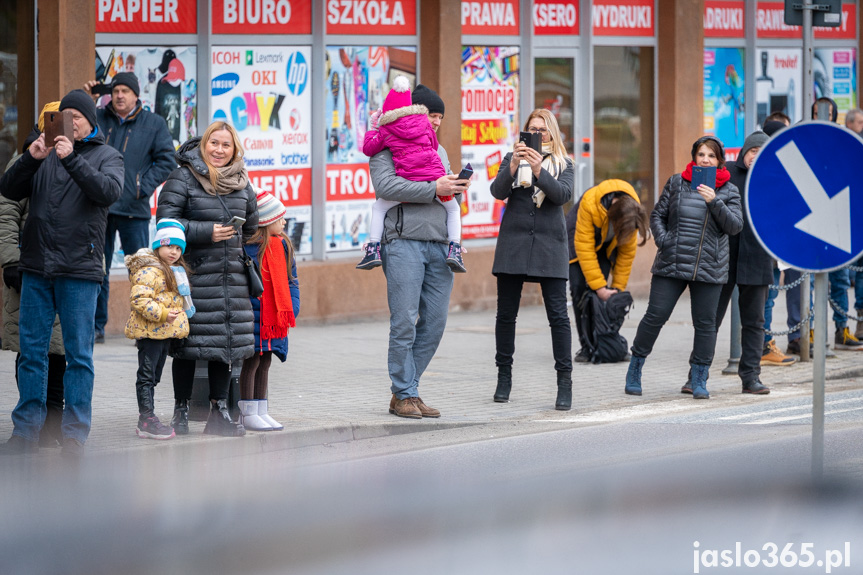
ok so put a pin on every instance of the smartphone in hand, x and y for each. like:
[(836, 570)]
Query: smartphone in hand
[(531, 140), (466, 173), (236, 222), (58, 124)]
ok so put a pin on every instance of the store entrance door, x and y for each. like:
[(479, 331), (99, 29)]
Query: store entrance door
[(554, 89)]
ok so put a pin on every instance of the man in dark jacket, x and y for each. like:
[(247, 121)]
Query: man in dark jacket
[(70, 185), (148, 154)]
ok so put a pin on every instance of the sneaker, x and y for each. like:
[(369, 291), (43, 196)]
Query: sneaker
[(151, 428), (772, 356), (372, 257), (453, 258), (425, 410), (858, 333), (845, 340), (581, 356)]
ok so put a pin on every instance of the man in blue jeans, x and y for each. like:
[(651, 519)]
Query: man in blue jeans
[(148, 154), (70, 183), (419, 281)]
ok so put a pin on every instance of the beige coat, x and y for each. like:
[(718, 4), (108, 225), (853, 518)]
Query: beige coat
[(152, 300)]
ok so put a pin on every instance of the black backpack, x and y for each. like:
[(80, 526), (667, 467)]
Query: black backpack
[(601, 322)]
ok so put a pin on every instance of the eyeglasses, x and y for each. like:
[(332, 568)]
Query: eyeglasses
[(533, 130)]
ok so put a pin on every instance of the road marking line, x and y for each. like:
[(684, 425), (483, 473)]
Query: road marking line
[(793, 417), (777, 410), (641, 410)]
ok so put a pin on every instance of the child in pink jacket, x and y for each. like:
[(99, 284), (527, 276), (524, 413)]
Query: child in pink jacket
[(404, 128)]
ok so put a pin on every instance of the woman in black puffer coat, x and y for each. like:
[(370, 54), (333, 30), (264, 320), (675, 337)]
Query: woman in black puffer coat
[(691, 229), (209, 188)]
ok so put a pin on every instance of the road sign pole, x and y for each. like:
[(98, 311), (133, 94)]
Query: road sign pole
[(736, 349), (805, 300), (818, 368)]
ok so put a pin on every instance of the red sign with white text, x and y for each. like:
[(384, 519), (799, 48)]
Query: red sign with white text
[(292, 187), (262, 16), (555, 17), (723, 19), (490, 17), (147, 16), (377, 17), (623, 18), (770, 23), (349, 182)]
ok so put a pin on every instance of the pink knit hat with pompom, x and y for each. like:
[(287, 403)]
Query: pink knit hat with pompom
[(399, 96)]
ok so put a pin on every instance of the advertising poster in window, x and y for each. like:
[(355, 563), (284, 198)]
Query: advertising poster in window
[(489, 129), (724, 108), (779, 77), (264, 92), (358, 79), (834, 72), (167, 78)]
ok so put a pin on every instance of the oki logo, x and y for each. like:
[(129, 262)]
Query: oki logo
[(226, 58), (356, 16), (264, 77), (487, 17), (146, 16)]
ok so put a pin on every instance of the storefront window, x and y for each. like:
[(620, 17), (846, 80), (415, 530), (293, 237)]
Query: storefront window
[(623, 117), (8, 83), (554, 86)]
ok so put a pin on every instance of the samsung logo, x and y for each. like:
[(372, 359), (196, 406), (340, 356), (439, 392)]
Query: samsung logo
[(224, 83)]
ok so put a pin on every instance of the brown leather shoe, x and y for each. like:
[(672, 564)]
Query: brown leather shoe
[(407, 408), (393, 404), (425, 409)]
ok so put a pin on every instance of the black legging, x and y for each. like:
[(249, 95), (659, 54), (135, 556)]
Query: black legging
[(255, 376), (664, 293), (578, 287), (508, 300), (183, 372)]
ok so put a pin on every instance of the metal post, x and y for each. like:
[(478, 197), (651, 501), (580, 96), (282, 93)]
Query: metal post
[(818, 368), (734, 355), (804, 311)]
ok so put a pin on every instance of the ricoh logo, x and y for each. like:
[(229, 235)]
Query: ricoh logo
[(297, 73)]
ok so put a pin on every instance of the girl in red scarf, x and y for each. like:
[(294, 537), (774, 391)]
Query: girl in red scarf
[(275, 311)]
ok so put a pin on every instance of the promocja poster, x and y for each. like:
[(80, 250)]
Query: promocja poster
[(724, 105), (264, 92), (489, 129), (358, 79)]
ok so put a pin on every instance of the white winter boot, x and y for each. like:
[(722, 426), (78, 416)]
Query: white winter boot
[(262, 413), (250, 418)]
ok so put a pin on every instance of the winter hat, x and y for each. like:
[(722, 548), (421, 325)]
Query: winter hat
[(772, 127), (269, 209), (169, 232), (81, 101), (127, 79), (754, 140), (399, 96), (428, 98)]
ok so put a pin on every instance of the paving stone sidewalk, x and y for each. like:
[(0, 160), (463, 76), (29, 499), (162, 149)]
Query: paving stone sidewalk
[(334, 386)]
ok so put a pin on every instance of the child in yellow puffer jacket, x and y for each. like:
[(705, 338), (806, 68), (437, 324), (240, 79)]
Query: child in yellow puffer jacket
[(161, 308)]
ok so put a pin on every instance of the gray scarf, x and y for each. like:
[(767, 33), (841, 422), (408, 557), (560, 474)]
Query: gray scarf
[(231, 178)]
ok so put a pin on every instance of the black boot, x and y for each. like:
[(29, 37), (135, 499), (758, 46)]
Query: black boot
[(564, 391), (504, 384), (144, 394), (219, 421), (180, 421)]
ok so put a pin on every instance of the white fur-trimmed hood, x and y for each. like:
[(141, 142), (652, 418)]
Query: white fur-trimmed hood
[(394, 115)]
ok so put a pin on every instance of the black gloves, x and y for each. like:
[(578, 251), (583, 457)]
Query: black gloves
[(12, 278)]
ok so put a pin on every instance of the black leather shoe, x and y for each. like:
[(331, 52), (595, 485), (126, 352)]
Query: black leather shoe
[(180, 421), (755, 388)]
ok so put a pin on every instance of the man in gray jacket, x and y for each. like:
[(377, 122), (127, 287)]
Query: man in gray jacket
[(413, 252)]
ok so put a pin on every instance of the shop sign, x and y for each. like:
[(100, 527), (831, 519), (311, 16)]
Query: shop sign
[(623, 18), (490, 17), (372, 17), (723, 19), (262, 16), (724, 87), (146, 16), (555, 17), (770, 23)]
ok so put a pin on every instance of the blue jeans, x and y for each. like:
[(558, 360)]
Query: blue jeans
[(134, 235), (768, 306), (840, 281), (74, 300), (858, 286), (418, 288)]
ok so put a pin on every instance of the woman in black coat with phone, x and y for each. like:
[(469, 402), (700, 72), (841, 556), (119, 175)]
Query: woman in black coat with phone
[(690, 226), (532, 247), (209, 191)]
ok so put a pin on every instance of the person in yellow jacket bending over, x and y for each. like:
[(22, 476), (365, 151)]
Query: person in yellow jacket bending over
[(603, 232)]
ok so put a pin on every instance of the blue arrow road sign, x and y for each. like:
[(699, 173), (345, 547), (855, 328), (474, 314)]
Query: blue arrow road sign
[(805, 196)]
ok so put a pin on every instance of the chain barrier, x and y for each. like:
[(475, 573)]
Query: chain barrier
[(793, 284), (842, 312), (855, 268), (790, 330)]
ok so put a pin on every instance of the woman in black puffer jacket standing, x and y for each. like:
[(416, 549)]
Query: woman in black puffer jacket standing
[(691, 229), (210, 187)]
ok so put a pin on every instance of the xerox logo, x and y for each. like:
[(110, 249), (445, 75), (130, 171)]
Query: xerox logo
[(297, 73)]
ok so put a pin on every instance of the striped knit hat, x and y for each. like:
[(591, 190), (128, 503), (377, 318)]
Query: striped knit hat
[(270, 209), (169, 232)]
